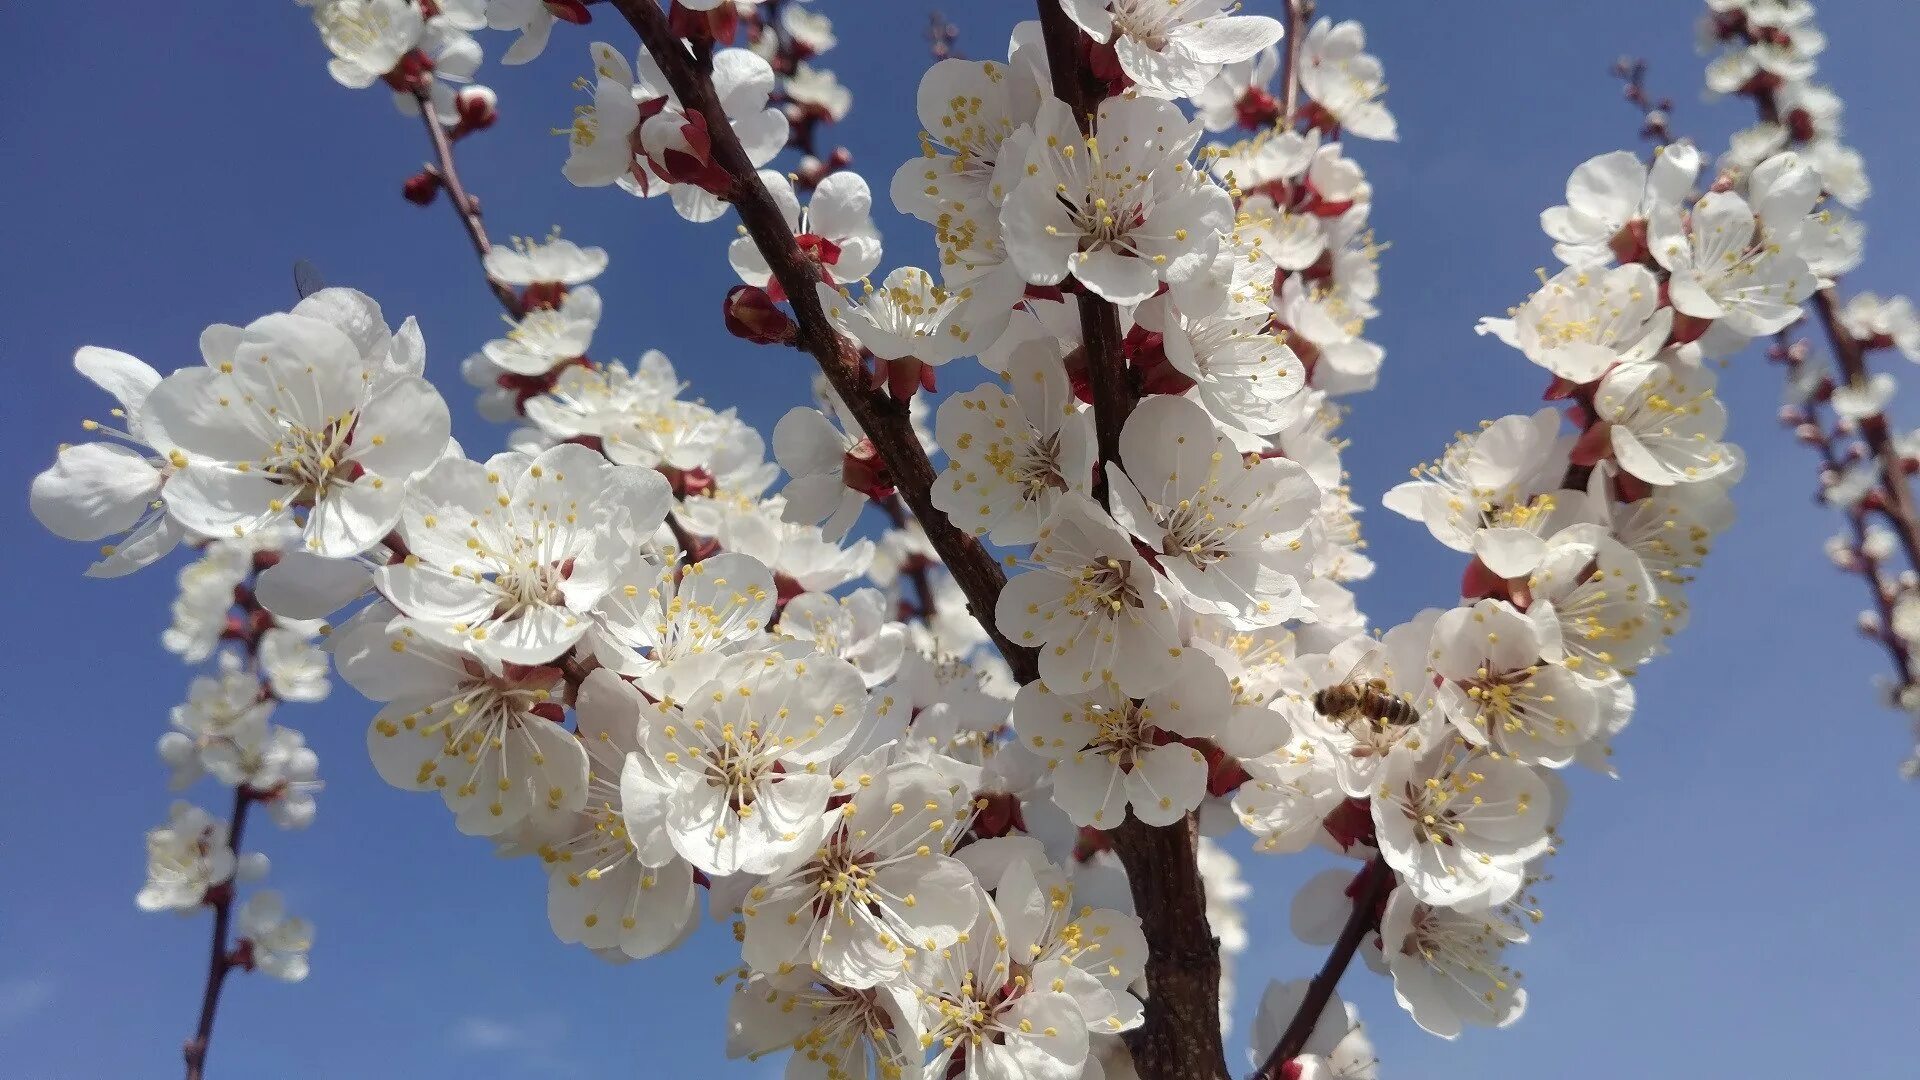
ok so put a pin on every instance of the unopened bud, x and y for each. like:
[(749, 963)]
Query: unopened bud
[(1869, 624), (479, 107), (421, 187), (863, 470), (752, 315), (572, 11)]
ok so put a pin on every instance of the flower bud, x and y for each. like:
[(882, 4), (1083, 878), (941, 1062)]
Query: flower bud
[(479, 107), (570, 11), (421, 187), (863, 470), (719, 25), (751, 314)]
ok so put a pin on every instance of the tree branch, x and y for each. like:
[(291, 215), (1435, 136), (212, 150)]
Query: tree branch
[(884, 420), (1180, 1038), (1897, 494), (464, 204), (1299, 13), (220, 960), (1812, 431), (1375, 882), (1898, 505)]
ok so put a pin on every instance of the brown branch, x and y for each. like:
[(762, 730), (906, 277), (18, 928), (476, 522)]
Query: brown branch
[(884, 420), (1896, 493), (1180, 1036), (220, 961), (1656, 115), (1897, 502), (1812, 431), (1376, 880), (464, 204), (1299, 14)]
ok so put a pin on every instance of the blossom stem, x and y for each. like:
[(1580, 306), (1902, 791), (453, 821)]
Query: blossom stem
[(220, 960), (1375, 881), (1299, 13), (464, 204), (884, 420)]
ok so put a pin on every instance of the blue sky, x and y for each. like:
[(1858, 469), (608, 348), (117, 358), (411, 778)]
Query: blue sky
[(1738, 905)]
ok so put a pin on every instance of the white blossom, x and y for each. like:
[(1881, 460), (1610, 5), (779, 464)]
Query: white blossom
[(1447, 965), (507, 558), (1096, 609), (1121, 210), (186, 856), (1173, 50), (1344, 79), (276, 942), (1227, 532), (490, 744), (1012, 452), (1106, 751), (735, 760)]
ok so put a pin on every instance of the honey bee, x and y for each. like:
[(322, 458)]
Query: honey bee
[(1369, 698)]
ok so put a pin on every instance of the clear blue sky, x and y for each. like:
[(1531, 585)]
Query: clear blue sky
[(1741, 904)]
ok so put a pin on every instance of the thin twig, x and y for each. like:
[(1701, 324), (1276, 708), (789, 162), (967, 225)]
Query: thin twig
[(1376, 880), (1897, 502), (464, 204), (220, 959), (1863, 562), (1299, 13)]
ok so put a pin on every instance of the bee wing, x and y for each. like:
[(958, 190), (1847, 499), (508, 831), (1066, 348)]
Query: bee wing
[(307, 279)]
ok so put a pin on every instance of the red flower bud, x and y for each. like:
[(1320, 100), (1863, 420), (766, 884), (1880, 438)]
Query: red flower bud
[(750, 314), (719, 25), (863, 470), (570, 11), (479, 107), (421, 187), (1630, 243)]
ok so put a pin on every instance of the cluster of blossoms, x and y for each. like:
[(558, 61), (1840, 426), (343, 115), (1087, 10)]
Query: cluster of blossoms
[(615, 649), (1767, 52), (225, 729)]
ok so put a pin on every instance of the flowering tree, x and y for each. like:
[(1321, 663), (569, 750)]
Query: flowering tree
[(957, 789)]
